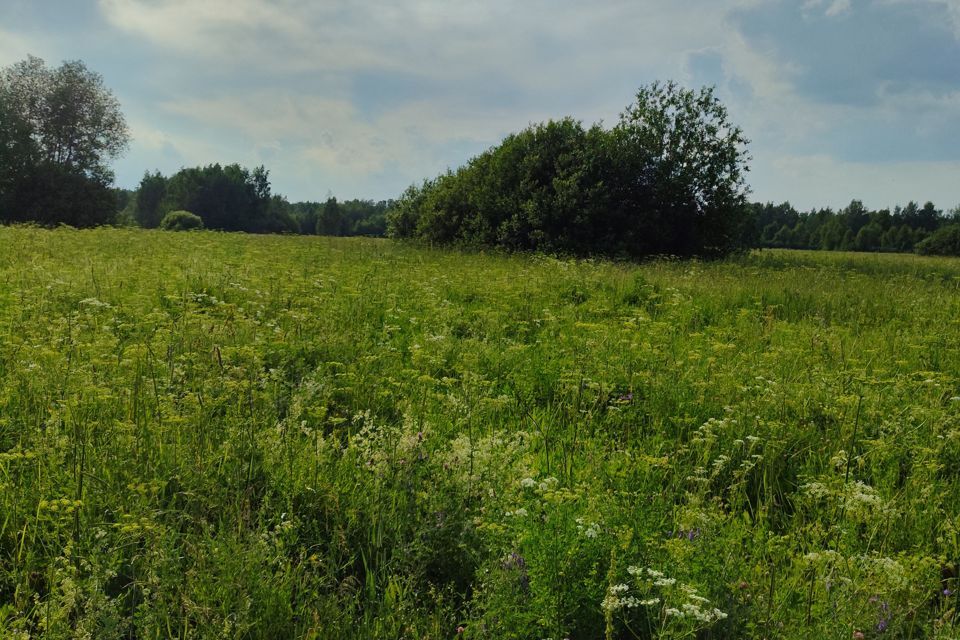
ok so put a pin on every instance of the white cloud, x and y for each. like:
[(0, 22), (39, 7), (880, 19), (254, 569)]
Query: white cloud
[(284, 77), (332, 136), (838, 7), (538, 42), (952, 8)]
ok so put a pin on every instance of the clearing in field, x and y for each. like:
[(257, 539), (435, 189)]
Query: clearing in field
[(206, 435)]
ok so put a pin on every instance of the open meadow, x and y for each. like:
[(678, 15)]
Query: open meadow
[(208, 435)]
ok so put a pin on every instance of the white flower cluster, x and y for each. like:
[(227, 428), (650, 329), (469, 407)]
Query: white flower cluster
[(678, 600), (617, 598), (548, 484), (706, 616), (858, 499), (471, 460), (890, 569), (94, 303), (588, 529), (709, 430)]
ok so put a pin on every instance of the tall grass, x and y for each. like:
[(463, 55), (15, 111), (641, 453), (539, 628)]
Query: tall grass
[(206, 435)]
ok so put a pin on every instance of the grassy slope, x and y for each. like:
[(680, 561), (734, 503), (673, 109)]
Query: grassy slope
[(208, 435)]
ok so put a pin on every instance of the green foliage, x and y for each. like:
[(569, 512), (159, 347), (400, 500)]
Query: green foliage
[(52, 194), (697, 161), (668, 179), (149, 198), (215, 435), (58, 129), (225, 197), (341, 218), (232, 198), (945, 241), (852, 228), (181, 221), (330, 222)]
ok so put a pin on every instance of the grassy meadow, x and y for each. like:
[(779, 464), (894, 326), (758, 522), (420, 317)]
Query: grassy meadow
[(209, 435)]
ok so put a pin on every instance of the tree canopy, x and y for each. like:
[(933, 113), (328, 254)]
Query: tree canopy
[(58, 130)]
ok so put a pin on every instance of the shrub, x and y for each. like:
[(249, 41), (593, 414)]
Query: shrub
[(181, 221), (945, 241)]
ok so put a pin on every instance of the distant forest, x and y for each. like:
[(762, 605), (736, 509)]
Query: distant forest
[(925, 229), (233, 198)]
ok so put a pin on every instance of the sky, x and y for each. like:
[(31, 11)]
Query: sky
[(841, 99)]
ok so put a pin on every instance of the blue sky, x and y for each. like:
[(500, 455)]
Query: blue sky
[(841, 99)]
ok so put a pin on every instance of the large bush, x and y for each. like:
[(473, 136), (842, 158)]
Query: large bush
[(668, 179), (945, 241), (181, 221)]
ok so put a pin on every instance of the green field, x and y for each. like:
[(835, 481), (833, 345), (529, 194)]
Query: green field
[(212, 435)]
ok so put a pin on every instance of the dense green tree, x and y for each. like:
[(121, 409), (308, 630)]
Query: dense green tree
[(697, 163), (929, 217), (51, 194), (58, 130), (19, 153), (853, 228), (279, 217), (73, 118), (869, 237), (330, 220), (228, 198), (149, 198), (364, 217)]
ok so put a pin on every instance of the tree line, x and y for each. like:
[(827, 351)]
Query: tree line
[(924, 229), (668, 178), (233, 198)]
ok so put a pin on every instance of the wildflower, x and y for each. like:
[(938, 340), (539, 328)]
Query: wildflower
[(515, 561), (528, 483), (691, 534), (548, 483)]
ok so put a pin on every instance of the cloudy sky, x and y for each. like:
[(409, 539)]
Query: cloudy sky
[(842, 99)]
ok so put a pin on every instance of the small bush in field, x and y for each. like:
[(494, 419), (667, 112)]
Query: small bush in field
[(181, 221)]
